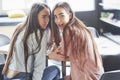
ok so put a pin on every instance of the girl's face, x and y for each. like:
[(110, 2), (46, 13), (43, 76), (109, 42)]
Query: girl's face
[(61, 17), (43, 18)]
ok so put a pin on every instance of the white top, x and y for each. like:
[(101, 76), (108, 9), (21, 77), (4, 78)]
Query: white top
[(17, 62)]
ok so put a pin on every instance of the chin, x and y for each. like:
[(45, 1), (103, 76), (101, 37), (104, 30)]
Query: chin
[(44, 27)]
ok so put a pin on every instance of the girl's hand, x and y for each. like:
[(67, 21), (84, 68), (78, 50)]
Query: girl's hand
[(56, 56)]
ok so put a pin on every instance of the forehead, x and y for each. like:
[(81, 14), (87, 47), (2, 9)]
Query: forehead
[(44, 11), (59, 10)]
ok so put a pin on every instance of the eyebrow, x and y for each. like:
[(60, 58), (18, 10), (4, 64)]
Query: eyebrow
[(59, 14), (45, 15)]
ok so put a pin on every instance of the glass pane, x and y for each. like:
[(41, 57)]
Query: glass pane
[(111, 4), (18, 4), (13, 4), (76, 5)]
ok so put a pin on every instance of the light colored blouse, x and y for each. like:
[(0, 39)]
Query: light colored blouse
[(38, 60)]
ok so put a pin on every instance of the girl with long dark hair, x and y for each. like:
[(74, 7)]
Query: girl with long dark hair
[(26, 58)]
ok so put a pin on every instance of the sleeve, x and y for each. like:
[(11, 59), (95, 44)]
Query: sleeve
[(17, 61)]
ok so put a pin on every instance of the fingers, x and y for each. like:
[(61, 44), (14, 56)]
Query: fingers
[(57, 50), (60, 57), (57, 57)]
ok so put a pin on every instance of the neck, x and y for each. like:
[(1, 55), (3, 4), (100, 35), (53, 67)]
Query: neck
[(61, 32)]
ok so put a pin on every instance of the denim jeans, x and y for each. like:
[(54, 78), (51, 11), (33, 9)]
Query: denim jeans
[(20, 76), (50, 73)]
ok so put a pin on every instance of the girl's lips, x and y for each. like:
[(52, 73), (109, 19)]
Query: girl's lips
[(44, 24), (60, 25)]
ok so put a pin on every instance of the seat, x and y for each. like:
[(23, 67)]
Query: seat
[(4, 40), (111, 75), (94, 32)]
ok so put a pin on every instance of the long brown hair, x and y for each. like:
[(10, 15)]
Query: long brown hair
[(31, 25), (76, 34), (55, 28)]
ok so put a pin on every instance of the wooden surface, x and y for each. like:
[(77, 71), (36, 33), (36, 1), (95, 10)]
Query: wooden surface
[(7, 30), (4, 49)]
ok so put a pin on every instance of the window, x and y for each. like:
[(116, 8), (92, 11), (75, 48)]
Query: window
[(13, 4), (111, 4), (76, 5), (17, 4)]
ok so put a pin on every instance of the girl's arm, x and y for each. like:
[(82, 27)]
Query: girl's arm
[(55, 54)]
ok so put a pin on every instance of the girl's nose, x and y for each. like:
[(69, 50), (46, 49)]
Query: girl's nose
[(58, 21)]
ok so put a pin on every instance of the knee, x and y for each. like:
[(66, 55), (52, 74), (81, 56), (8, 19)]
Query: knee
[(51, 73), (53, 69), (56, 69)]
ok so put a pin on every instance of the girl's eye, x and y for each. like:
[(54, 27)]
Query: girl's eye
[(43, 16), (61, 15), (55, 17)]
